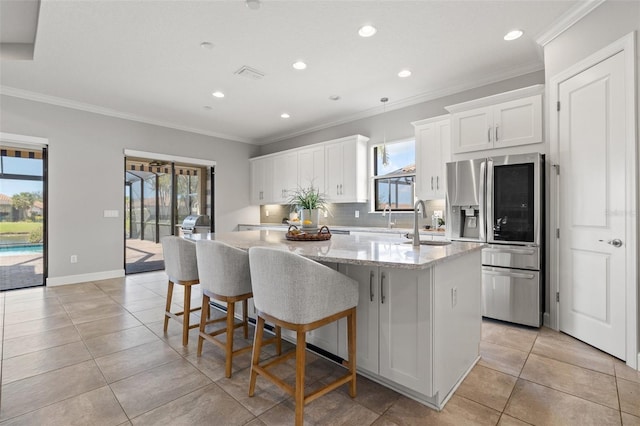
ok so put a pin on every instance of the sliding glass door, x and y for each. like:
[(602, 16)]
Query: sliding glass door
[(22, 213), (158, 197)]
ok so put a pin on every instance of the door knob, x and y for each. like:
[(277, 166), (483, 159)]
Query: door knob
[(616, 243)]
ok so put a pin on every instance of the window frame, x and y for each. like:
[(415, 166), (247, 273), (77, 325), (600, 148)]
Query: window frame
[(375, 208)]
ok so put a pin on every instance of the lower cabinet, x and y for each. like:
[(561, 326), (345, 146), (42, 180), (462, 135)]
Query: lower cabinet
[(393, 325)]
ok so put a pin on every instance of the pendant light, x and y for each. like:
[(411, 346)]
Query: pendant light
[(385, 155)]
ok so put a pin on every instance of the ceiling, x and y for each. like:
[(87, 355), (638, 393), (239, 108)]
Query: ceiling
[(143, 59)]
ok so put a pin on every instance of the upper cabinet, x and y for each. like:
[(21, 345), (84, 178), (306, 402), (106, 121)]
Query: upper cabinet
[(346, 169), (261, 180), (503, 120), (433, 151), (337, 168)]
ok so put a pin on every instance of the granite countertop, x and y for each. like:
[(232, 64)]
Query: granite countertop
[(376, 229), (374, 250)]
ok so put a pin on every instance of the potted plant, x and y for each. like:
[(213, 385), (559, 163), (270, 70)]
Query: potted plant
[(309, 201)]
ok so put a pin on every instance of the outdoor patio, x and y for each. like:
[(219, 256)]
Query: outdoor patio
[(21, 271), (143, 256)]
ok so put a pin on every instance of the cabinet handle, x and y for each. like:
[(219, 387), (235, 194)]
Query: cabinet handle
[(438, 183), (496, 133), (382, 277), (489, 134), (371, 286), (337, 189), (341, 191), (432, 183)]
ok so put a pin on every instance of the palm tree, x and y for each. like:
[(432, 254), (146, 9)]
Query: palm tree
[(23, 202)]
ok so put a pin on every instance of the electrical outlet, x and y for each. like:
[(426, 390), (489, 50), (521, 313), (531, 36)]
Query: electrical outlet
[(74, 258), (454, 296), (266, 213), (326, 213), (357, 213)]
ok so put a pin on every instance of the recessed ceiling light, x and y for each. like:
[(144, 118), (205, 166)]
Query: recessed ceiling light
[(284, 115), (299, 65), (334, 97), (513, 35), (218, 94), (252, 4), (367, 31), (404, 73), (206, 45)]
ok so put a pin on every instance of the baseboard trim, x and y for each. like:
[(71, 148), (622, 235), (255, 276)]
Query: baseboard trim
[(80, 278)]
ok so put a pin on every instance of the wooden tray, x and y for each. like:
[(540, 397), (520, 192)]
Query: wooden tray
[(323, 234)]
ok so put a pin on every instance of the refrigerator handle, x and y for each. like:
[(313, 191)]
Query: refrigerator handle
[(489, 202), (482, 207)]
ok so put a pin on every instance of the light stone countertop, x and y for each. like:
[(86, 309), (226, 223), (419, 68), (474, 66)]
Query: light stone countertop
[(376, 250), (376, 229)]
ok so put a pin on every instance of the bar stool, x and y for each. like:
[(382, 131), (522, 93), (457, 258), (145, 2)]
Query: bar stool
[(224, 276), (181, 267), (300, 295)]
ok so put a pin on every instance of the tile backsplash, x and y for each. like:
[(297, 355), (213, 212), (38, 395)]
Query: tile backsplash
[(343, 214)]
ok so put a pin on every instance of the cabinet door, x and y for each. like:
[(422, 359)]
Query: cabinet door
[(311, 168), (425, 151), (285, 176), (405, 328), (472, 130), (261, 180), (518, 122), (443, 135), (366, 318), (335, 169)]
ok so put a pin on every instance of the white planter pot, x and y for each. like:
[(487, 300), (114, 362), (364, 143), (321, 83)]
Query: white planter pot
[(312, 215)]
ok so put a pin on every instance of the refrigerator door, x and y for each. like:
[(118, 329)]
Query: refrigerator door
[(519, 257), (465, 200), (511, 295)]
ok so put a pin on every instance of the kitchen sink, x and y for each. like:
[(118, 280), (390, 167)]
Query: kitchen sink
[(431, 243)]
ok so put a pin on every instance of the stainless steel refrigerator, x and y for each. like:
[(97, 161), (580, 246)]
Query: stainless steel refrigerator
[(500, 201)]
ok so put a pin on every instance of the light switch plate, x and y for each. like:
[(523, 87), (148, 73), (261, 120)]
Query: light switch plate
[(111, 213)]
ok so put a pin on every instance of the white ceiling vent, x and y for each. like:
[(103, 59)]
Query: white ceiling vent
[(249, 72)]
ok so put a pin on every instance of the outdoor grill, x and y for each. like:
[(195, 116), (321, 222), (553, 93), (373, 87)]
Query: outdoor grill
[(195, 224)]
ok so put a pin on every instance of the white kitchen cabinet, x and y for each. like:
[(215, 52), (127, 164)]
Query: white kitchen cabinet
[(311, 168), (346, 169), (433, 151), (285, 176), (503, 120), (261, 180)]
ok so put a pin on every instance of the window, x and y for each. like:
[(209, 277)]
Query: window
[(394, 172)]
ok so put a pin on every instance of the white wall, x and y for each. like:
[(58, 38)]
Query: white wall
[(86, 176)]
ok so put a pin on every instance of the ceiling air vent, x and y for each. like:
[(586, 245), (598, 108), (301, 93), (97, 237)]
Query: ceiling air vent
[(249, 72)]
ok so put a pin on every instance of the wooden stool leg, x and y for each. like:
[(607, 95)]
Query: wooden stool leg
[(351, 336), (245, 318), (168, 306), (231, 307), (203, 322), (300, 366), (255, 357), (278, 340), (187, 315)]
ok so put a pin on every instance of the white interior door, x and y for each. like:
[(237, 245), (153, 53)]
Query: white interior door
[(592, 208)]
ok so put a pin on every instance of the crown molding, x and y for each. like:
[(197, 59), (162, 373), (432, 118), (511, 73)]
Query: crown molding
[(68, 103), (567, 20), (414, 100)]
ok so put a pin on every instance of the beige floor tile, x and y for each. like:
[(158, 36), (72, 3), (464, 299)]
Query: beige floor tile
[(538, 404), (108, 311), (36, 326), (158, 386), (623, 371), (34, 314), (335, 408), (282, 415), (487, 387), (502, 358), (33, 363), (101, 301), (104, 326), (81, 297), (154, 301), (39, 391), (130, 294), (31, 305), (629, 393), (458, 411), (256, 422), (65, 290), (119, 340), (97, 408), (370, 394), (561, 347), (120, 365), (509, 335), (39, 341), (510, 421), (629, 420), (208, 405), (267, 395), (578, 381), (384, 421), (32, 293)]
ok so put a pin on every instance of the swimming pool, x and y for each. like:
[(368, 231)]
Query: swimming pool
[(21, 250)]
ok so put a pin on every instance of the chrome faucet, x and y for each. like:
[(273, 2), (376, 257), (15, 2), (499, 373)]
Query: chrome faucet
[(389, 223), (416, 229)]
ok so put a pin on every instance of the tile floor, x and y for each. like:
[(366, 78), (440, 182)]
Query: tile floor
[(95, 353)]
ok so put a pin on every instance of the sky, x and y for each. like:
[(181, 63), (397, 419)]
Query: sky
[(20, 166)]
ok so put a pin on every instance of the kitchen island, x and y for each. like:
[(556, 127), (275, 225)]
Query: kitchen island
[(418, 316)]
